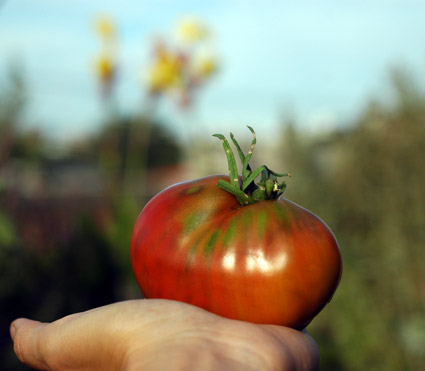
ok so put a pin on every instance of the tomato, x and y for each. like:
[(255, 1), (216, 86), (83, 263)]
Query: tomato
[(266, 261)]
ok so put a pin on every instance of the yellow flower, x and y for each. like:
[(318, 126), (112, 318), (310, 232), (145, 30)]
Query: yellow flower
[(191, 30), (205, 67), (105, 68), (106, 28), (165, 72)]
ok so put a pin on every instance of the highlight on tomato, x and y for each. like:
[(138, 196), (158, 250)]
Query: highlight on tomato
[(236, 247)]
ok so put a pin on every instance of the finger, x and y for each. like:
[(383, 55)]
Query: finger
[(298, 345), (81, 341), (25, 334)]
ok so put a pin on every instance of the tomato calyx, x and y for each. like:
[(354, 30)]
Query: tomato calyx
[(244, 188)]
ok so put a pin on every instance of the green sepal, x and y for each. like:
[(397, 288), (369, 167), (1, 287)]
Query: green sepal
[(242, 197), (247, 191), (233, 169)]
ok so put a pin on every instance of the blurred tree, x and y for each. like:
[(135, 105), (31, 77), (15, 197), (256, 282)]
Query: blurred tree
[(12, 99), (368, 183), (13, 94), (16, 141)]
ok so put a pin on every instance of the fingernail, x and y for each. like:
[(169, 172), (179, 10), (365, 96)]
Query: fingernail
[(13, 331)]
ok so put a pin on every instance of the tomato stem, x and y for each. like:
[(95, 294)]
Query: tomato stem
[(244, 188)]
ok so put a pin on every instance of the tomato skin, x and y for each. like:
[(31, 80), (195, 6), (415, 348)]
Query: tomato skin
[(271, 262)]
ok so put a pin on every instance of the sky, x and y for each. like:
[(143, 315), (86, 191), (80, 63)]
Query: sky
[(316, 61)]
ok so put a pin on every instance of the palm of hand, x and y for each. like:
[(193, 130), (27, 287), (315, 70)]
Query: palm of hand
[(160, 335)]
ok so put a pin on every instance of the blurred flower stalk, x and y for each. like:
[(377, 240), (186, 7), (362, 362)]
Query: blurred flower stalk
[(178, 68), (106, 60)]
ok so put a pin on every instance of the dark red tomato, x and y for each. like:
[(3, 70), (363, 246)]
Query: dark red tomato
[(269, 262), (233, 247)]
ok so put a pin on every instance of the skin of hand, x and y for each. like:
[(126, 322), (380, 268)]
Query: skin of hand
[(156, 334)]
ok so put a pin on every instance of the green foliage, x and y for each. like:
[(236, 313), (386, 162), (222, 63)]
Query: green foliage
[(368, 183)]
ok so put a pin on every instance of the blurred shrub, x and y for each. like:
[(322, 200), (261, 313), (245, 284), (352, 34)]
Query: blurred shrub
[(368, 183)]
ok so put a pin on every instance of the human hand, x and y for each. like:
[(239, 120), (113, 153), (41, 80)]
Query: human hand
[(155, 334)]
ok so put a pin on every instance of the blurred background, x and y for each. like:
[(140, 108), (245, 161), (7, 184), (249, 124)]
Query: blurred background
[(103, 104)]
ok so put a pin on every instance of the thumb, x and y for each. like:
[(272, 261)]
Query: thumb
[(25, 334)]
